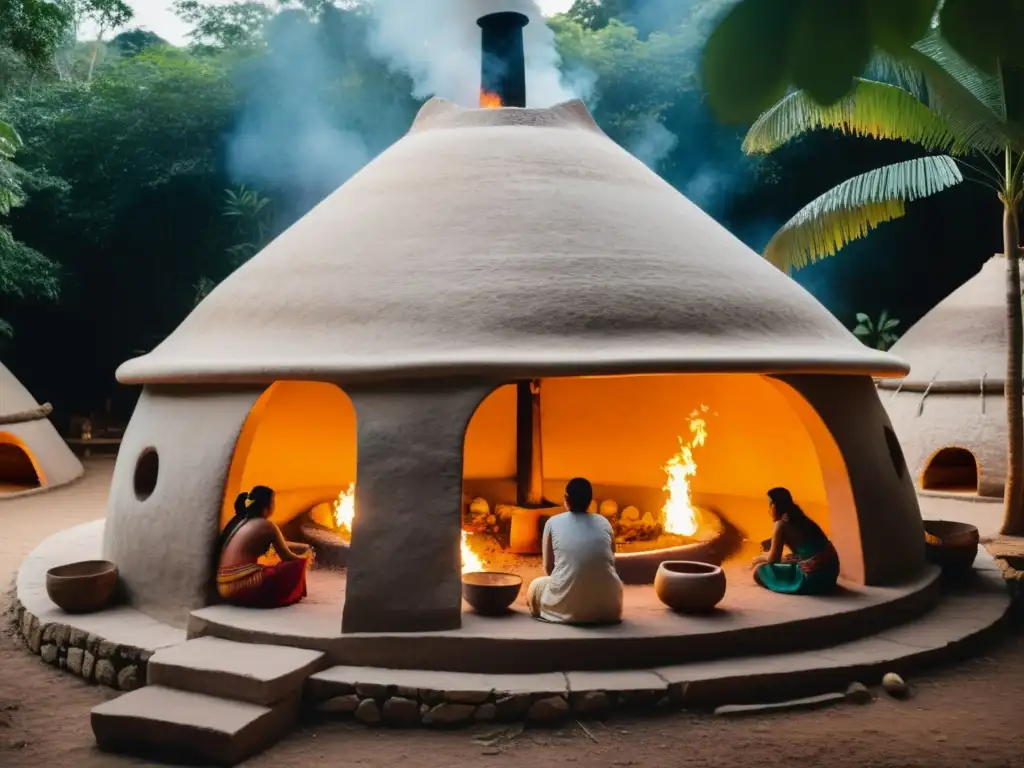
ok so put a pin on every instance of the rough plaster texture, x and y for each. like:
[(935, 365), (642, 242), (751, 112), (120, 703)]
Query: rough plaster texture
[(163, 545), (880, 542), (963, 338), (441, 261), (958, 353), (54, 462), (952, 419), (404, 568), (511, 244)]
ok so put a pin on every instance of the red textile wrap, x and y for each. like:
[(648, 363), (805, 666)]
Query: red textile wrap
[(281, 584)]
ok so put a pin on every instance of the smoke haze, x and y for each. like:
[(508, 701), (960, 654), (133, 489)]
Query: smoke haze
[(438, 45)]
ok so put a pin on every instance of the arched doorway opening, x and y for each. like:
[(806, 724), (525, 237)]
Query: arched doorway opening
[(622, 432), (951, 470), (300, 440), (18, 469)]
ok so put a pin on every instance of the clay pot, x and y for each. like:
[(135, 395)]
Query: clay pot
[(952, 546), (82, 587), (490, 594), (689, 587)]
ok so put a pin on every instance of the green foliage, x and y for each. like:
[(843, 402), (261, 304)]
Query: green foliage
[(234, 25), (880, 334), (251, 213), (24, 272), (34, 29), (967, 115), (763, 47), (873, 109), (852, 209)]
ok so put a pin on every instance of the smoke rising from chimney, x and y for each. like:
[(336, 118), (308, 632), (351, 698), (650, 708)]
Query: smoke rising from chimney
[(437, 42)]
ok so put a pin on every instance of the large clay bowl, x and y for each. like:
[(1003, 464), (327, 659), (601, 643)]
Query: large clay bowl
[(82, 587), (950, 545), (689, 587), (490, 594)]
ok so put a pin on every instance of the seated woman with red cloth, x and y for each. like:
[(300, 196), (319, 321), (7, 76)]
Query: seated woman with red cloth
[(241, 578)]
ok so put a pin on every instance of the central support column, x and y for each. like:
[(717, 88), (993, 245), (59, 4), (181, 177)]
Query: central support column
[(404, 566), (529, 459)]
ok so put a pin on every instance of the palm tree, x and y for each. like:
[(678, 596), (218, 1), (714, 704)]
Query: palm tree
[(970, 122)]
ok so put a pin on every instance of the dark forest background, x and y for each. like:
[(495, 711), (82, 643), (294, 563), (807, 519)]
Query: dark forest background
[(150, 172)]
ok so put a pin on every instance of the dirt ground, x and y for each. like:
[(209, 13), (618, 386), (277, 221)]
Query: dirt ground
[(968, 715)]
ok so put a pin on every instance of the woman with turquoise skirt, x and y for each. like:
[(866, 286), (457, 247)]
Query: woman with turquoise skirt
[(816, 569)]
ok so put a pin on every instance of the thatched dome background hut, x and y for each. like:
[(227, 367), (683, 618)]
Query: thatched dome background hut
[(33, 457), (949, 412)]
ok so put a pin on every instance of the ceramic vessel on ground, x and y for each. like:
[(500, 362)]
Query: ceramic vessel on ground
[(950, 545), (490, 594), (689, 587), (82, 587)]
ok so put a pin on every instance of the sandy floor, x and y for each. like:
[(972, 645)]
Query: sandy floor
[(963, 716)]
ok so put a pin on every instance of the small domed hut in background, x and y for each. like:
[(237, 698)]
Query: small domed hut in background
[(949, 412)]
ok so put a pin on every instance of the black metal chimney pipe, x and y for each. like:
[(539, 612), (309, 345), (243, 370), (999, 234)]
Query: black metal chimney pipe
[(503, 62)]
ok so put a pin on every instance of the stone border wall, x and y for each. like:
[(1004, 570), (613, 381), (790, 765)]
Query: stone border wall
[(398, 706), (90, 657)]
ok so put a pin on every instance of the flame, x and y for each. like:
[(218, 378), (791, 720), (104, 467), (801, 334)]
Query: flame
[(470, 561), (490, 100), (345, 509), (345, 512), (681, 517)]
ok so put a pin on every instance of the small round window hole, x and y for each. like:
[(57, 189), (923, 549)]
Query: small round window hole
[(147, 470)]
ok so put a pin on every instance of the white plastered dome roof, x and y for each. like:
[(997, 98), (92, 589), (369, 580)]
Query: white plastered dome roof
[(505, 243), (963, 339)]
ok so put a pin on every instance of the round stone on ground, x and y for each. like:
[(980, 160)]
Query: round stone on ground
[(368, 712), (339, 705), (485, 713), (895, 686), (401, 711), (128, 678), (449, 715), (858, 693), (49, 653), (549, 710), (105, 672), (591, 703)]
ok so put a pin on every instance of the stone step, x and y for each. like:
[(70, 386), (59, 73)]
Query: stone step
[(257, 674), (166, 724)]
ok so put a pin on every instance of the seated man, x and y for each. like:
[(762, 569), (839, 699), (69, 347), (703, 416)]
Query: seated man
[(582, 586), (241, 578)]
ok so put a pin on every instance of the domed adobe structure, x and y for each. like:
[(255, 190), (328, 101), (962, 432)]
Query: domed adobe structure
[(485, 250), (949, 412), (33, 457)]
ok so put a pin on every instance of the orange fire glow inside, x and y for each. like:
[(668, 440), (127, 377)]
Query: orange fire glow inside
[(345, 512), (681, 517), (489, 100)]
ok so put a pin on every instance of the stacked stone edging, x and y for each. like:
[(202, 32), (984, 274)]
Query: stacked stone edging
[(88, 656), (400, 706)]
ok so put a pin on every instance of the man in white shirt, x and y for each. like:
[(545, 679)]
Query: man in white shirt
[(582, 586)]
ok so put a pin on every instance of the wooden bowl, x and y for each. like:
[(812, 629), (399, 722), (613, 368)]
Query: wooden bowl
[(490, 594), (82, 587), (689, 587), (950, 545)]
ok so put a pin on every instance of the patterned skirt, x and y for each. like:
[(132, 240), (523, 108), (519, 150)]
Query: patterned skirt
[(263, 586)]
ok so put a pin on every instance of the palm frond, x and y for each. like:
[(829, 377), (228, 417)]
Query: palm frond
[(968, 99), (896, 71), (852, 209), (872, 108), (986, 88), (10, 141)]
